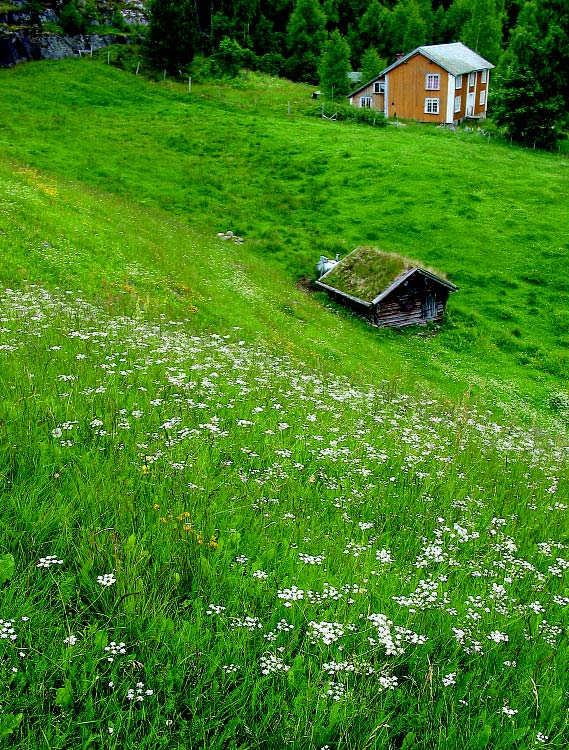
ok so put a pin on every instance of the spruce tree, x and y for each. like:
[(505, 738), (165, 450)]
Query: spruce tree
[(532, 99), (372, 64), (335, 66), (306, 34), (172, 34)]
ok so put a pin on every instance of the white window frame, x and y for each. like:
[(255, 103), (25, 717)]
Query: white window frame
[(482, 99), (458, 83), (379, 87), (433, 81), (484, 76), (471, 79), (365, 102), (457, 103), (432, 105)]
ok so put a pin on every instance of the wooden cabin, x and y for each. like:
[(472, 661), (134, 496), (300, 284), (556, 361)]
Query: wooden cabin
[(387, 289), (439, 83)]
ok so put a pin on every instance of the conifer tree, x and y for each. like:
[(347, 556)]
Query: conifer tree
[(306, 34), (372, 64), (532, 100), (172, 33), (482, 32), (335, 66)]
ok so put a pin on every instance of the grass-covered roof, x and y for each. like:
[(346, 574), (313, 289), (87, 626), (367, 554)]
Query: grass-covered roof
[(367, 271)]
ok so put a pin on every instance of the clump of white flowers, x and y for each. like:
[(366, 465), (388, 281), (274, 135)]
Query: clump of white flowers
[(107, 579)]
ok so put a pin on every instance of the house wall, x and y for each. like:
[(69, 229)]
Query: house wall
[(408, 90), (472, 85), (377, 100)]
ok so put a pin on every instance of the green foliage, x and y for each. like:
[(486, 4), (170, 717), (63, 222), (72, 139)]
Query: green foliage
[(521, 106), (172, 34), (533, 94), (341, 112), (372, 64), (7, 567), (228, 58), (72, 18), (373, 30), (482, 31), (306, 34), (335, 66)]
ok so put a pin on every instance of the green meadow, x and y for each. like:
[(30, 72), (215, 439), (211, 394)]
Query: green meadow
[(233, 515)]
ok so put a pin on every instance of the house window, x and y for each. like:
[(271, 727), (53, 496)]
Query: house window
[(471, 79), (482, 98), (379, 87), (484, 76), (365, 101), (459, 82), (431, 106), (433, 81), (457, 103)]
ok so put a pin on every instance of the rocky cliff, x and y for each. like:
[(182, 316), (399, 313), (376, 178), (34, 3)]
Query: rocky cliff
[(20, 46)]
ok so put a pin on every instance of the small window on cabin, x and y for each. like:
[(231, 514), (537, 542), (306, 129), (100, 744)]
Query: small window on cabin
[(433, 81), (365, 102), (484, 76), (482, 99), (459, 82), (457, 103), (471, 79), (431, 106), (379, 87)]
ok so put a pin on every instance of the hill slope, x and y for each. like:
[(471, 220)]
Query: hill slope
[(490, 217), (232, 516)]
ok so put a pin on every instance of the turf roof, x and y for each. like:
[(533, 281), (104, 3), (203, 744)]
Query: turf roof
[(366, 272)]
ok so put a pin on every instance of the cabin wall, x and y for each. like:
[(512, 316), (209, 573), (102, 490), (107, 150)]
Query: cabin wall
[(406, 307)]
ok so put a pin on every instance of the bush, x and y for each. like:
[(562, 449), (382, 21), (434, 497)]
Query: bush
[(345, 112), (72, 20)]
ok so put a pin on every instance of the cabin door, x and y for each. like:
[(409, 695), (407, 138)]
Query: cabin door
[(429, 307), (470, 104)]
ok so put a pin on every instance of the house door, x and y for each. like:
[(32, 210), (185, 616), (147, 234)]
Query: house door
[(429, 307), (470, 104)]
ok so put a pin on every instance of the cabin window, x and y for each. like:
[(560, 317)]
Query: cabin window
[(379, 87), (457, 103), (471, 79), (433, 81), (482, 99), (365, 101), (459, 82), (432, 106), (484, 76)]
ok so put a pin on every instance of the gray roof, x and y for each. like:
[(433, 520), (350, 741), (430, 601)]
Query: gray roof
[(456, 58)]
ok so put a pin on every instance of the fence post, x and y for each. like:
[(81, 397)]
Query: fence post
[(137, 67), (189, 84)]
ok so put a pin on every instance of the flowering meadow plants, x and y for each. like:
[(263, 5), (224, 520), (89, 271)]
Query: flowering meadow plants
[(209, 545)]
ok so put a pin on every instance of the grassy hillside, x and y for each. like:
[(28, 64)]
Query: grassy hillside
[(491, 217), (233, 516)]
